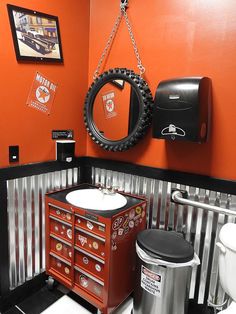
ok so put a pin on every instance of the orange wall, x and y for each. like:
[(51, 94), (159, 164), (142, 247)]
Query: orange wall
[(176, 38), (27, 127)]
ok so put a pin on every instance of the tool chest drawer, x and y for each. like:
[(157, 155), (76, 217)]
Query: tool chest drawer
[(90, 242), (89, 283), (90, 225), (60, 213), (60, 247), (60, 228), (60, 266), (89, 262)]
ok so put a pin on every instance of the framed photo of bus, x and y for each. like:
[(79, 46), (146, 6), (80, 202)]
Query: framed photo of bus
[(36, 35)]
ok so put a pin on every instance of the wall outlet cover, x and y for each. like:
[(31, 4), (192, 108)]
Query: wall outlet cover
[(14, 153)]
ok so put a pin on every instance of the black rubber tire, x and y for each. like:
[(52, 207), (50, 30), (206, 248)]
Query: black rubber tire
[(145, 103)]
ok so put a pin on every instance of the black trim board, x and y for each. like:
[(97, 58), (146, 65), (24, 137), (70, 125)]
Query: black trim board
[(185, 178), (85, 164), (14, 172)]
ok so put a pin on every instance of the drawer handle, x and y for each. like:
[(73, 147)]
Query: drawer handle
[(88, 219), (60, 258), (90, 255), (58, 207), (59, 220), (59, 239)]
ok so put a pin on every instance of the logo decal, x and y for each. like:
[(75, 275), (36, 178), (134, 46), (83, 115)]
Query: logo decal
[(82, 240), (173, 131)]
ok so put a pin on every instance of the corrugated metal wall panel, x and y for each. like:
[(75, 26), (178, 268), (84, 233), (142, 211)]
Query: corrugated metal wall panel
[(200, 227), (26, 221)]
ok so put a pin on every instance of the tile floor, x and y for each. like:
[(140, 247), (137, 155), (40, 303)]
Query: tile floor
[(66, 304), (61, 301)]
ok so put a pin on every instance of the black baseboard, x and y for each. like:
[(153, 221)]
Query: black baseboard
[(85, 164), (20, 293)]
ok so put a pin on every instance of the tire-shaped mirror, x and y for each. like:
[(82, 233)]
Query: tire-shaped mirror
[(118, 109)]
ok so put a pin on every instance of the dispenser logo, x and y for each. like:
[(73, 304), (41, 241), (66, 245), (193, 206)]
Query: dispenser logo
[(173, 131), (42, 93)]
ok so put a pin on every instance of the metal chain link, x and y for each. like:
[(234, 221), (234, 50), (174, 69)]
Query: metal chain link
[(140, 66), (112, 36), (108, 44)]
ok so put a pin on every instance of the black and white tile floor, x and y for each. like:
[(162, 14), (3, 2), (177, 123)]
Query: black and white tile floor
[(60, 301), (66, 304)]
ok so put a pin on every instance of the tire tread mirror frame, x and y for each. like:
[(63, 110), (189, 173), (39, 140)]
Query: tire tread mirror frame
[(144, 96)]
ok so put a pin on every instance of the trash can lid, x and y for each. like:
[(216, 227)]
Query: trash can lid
[(166, 245)]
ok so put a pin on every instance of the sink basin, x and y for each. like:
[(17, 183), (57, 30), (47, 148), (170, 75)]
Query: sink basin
[(95, 199)]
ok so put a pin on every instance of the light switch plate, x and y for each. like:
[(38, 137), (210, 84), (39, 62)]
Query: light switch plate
[(14, 153)]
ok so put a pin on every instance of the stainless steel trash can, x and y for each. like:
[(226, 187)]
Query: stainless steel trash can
[(163, 270)]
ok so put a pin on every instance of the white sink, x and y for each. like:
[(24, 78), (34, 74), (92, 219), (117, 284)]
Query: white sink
[(95, 199)]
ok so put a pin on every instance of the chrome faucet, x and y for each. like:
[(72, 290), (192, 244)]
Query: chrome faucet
[(108, 190)]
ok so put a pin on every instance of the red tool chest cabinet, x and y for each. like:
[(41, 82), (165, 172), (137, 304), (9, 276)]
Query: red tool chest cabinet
[(93, 252)]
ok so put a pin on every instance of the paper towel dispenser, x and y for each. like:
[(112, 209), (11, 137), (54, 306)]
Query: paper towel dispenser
[(182, 109)]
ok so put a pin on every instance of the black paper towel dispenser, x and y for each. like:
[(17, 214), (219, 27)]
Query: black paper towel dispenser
[(182, 109)]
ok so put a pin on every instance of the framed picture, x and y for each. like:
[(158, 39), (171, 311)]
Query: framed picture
[(36, 35)]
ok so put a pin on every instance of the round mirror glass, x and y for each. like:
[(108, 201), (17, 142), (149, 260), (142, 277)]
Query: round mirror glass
[(118, 109)]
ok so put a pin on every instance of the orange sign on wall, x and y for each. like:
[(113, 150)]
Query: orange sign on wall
[(109, 104), (42, 93)]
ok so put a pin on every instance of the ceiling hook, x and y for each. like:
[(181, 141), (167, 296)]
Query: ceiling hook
[(124, 4)]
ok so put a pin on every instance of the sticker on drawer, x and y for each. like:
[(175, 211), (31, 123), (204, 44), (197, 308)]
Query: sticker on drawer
[(83, 281), (151, 282), (69, 233), (59, 247), (90, 225), (117, 222), (83, 240)]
